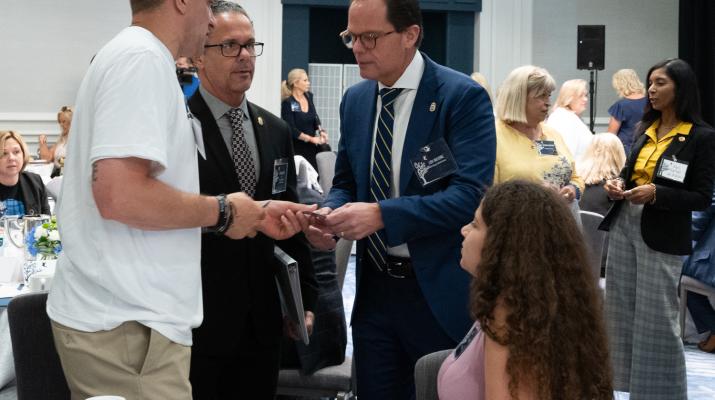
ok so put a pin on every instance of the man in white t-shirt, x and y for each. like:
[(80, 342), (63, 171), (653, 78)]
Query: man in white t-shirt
[(128, 288)]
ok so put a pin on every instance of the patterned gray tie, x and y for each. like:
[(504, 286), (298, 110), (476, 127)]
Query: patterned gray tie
[(241, 153)]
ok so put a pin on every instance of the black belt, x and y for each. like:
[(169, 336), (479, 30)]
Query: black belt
[(396, 267)]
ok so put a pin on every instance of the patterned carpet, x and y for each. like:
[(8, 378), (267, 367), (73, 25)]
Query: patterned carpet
[(700, 365)]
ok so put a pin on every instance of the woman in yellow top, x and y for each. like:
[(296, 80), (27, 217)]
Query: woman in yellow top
[(669, 174), (526, 147)]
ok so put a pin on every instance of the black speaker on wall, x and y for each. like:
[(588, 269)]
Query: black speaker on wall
[(591, 51)]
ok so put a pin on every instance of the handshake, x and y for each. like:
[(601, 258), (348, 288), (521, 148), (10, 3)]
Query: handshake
[(283, 219)]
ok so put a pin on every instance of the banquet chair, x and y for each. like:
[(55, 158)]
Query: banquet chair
[(325, 161), (337, 381), (689, 284), (38, 370), (426, 370), (595, 241)]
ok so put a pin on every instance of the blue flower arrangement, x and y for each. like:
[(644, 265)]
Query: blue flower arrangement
[(44, 240)]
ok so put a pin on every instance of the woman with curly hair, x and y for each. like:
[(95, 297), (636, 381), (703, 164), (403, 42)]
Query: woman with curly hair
[(539, 331)]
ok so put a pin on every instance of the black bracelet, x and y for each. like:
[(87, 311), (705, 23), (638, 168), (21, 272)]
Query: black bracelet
[(223, 217)]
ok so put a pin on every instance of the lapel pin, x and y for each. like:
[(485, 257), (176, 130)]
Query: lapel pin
[(260, 121), (681, 138), (432, 107)]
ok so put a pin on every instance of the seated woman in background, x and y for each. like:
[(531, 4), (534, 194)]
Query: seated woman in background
[(701, 264), (526, 147), (628, 110), (566, 116), (298, 110), (603, 160), (57, 152), (539, 331), (21, 192)]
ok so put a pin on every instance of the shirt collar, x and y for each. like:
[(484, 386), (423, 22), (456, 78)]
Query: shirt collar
[(219, 108), (411, 76), (682, 128)]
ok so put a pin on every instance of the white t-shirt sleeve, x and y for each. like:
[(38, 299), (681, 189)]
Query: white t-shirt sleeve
[(132, 111)]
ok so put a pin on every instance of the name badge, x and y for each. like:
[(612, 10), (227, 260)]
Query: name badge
[(546, 148), (198, 135), (294, 106), (434, 162), (673, 169), (280, 175)]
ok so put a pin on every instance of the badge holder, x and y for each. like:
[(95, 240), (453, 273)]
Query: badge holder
[(280, 176), (433, 162)]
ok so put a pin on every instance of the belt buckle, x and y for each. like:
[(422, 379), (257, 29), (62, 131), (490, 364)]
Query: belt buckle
[(389, 271)]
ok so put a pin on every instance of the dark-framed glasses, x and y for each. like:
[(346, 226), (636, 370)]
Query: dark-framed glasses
[(233, 49), (368, 39)]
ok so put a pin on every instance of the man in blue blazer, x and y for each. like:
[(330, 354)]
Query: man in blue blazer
[(412, 296)]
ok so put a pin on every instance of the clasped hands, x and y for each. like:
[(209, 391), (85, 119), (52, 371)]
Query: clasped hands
[(352, 221), (638, 195)]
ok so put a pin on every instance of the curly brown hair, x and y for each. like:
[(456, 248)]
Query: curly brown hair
[(534, 264)]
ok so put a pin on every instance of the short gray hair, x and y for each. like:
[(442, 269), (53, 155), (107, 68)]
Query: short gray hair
[(225, 6)]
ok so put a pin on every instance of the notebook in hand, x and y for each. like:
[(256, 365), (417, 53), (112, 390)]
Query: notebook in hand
[(288, 280)]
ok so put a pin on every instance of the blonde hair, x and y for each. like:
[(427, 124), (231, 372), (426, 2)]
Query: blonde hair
[(570, 90), (287, 85), (482, 81), (603, 159), (521, 83), (5, 135), (66, 110), (626, 83)]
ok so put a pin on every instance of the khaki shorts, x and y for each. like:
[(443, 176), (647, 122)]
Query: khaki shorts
[(131, 360)]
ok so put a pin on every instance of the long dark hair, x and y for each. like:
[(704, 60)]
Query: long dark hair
[(534, 265), (687, 96)]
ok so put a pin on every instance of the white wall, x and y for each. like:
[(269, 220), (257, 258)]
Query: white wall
[(46, 46), (543, 32)]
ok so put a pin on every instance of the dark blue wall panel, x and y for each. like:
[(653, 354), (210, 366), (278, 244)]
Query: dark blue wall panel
[(296, 37), (460, 41), (438, 5)]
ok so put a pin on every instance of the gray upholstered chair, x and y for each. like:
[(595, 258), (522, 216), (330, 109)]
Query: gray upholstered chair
[(38, 370), (688, 284), (595, 240), (426, 370), (336, 381), (326, 169)]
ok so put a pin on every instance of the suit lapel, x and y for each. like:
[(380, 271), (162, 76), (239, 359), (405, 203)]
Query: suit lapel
[(422, 118), (216, 150)]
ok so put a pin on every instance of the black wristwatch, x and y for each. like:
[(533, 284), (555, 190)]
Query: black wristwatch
[(225, 216)]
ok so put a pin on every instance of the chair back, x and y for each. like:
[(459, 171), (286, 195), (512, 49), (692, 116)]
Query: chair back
[(38, 370), (326, 169), (342, 256), (595, 240), (426, 371)]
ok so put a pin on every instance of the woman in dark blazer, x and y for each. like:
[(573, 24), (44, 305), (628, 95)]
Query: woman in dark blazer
[(669, 174), (21, 192), (298, 110)]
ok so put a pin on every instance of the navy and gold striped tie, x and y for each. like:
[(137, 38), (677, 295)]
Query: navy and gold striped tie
[(381, 175)]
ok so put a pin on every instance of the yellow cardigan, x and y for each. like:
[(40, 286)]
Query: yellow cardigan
[(517, 158)]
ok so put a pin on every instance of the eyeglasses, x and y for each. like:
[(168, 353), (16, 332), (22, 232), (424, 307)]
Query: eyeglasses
[(368, 40), (233, 49)]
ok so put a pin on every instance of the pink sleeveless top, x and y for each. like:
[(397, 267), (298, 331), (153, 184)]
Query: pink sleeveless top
[(461, 376)]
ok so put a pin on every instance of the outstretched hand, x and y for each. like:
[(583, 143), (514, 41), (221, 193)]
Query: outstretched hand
[(281, 222)]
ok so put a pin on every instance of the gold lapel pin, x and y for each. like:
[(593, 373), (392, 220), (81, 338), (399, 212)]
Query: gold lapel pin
[(260, 121), (432, 107), (681, 138)]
